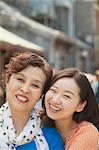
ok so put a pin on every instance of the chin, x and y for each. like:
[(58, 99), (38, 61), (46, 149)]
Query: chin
[(51, 116)]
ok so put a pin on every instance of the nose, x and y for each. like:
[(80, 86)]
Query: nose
[(56, 98), (25, 88)]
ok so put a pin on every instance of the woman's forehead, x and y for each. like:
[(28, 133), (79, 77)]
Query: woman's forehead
[(66, 84)]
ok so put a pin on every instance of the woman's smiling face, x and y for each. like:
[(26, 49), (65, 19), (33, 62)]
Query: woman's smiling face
[(63, 99), (25, 88)]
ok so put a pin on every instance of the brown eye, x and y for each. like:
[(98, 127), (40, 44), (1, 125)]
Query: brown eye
[(20, 80), (53, 90), (35, 86), (66, 96)]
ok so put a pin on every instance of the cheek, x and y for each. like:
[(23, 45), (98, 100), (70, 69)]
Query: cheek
[(46, 99), (70, 105), (36, 94), (9, 93), (13, 85), (47, 96), (9, 88)]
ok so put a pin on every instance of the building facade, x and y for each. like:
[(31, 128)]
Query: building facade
[(77, 19)]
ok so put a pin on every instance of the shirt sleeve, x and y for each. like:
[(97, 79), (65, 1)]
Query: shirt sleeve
[(86, 139)]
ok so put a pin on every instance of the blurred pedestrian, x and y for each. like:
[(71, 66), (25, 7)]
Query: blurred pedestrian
[(95, 86)]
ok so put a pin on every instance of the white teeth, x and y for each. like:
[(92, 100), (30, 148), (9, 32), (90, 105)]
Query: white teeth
[(22, 98), (54, 108)]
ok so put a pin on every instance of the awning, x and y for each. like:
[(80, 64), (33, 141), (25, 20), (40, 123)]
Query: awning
[(35, 27), (10, 38)]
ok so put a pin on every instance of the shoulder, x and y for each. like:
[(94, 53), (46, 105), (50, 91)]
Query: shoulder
[(53, 137), (87, 127), (51, 131), (85, 136)]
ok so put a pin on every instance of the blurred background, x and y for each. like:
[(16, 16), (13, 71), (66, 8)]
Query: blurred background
[(65, 32)]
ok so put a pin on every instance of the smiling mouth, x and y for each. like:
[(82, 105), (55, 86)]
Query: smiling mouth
[(22, 99), (53, 108)]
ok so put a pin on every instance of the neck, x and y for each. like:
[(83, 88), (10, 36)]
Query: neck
[(65, 127), (19, 120)]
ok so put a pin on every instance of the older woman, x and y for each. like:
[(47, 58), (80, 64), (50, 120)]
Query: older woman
[(71, 103), (27, 78)]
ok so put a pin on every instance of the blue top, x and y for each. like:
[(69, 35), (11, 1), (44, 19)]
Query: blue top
[(52, 137)]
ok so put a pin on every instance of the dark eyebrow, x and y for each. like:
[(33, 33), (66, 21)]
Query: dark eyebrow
[(54, 86), (65, 90), (37, 81), (69, 92), (21, 74)]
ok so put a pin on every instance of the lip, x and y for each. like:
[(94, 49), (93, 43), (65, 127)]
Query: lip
[(54, 108), (23, 96)]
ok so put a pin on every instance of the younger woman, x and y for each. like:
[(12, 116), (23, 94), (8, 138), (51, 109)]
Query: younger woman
[(72, 107)]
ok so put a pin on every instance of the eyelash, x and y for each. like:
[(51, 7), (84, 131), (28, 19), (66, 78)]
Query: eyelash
[(34, 85), (53, 90), (66, 96), (19, 79)]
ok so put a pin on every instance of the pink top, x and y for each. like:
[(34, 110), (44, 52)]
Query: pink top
[(84, 137)]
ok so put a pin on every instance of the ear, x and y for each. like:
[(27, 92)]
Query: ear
[(81, 106)]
